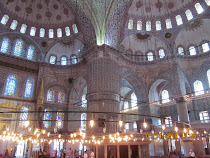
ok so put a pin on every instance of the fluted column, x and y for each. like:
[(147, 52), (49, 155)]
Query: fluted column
[(103, 89)]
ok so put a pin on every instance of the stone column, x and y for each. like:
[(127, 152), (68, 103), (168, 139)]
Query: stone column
[(118, 151), (129, 151), (139, 151), (179, 89), (105, 151), (103, 90)]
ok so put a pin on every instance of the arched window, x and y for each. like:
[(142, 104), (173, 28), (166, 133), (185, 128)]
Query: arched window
[(148, 26), (205, 47), (192, 50), (13, 25), (50, 95), (126, 106), (30, 52), (52, 59), (63, 60), (165, 96), (161, 53), (199, 8), (74, 59), (74, 26), (150, 56), (61, 97), (4, 19), (11, 85), (130, 24), (67, 30), (168, 23), (139, 25), (33, 31), (23, 28), (127, 126), (59, 32), (181, 51), (179, 20), (23, 116), (47, 118), (208, 76), (59, 120), (198, 88), (83, 121), (29, 88), (158, 25), (51, 33), (18, 47), (133, 101), (188, 14), (42, 32), (5, 45), (207, 2), (84, 101)]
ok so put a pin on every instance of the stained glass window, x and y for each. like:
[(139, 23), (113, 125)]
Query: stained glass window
[(192, 50), (181, 51), (139, 25), (168, 121), (179, 20), (165, 96), (24, 116), (83, 121), (33, 31), (148, 26), (50, 95), (74, 59), (42, 32), (161, 53), (199, 8), (29, 88), (47, 117), (30, 52), (13, 25), (4, 19), (51, 33), (59, 32), (60, 119), (52, 59), (67, 30), (126, 106), (23, 28), (134, 101), (75, 28), (150, 56), (205, 47), (208, 76), (198, 87), (63, 61), (18, 48), (204, 116), (130, 24), (188, 14), (158, 25), (11, 85), (5, 45), (84, 101), (168, 24), (61, 97), (207, 2)]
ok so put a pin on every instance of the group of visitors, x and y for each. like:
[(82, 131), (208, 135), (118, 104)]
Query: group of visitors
[(176, 153)]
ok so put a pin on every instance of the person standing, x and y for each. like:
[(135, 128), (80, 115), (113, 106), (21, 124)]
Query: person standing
[(191, 154), (26, 154), (70, 153), (92, 155), (6, 155), (85, 155)]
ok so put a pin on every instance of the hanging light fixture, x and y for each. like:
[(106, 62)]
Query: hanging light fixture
[(163, 127), (176, 129), (92, 123), (121, 123)]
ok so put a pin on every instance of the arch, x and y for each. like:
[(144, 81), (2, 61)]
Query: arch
[(11, 85)]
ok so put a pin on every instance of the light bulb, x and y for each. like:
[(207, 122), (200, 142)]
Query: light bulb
[(121, 123), (91, 123), (145, 125), (48, 134), (185, 130), (27, 123), (176, 129), (163, 127)]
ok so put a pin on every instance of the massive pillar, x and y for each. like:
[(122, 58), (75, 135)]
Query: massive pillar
[(103, 91), (180, 90)]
